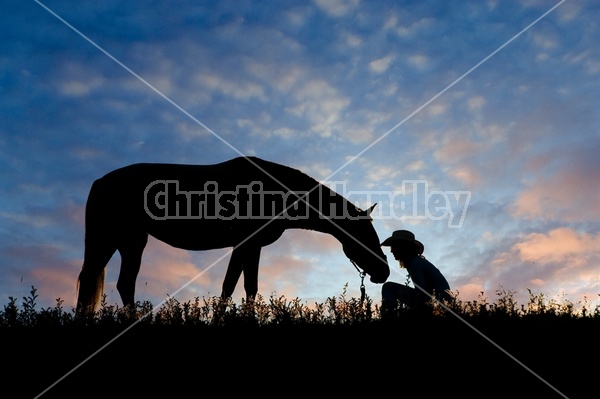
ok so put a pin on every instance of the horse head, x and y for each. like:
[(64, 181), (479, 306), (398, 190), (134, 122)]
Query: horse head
[(362, 246)]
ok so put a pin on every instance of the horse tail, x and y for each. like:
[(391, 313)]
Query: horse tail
[(90, 295), (99, 248)]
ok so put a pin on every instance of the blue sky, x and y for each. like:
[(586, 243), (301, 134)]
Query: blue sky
[(329, 87)]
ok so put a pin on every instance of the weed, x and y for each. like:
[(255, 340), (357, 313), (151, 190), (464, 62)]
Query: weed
[(280, 311)]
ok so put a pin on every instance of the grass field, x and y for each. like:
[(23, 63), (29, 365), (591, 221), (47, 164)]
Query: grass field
[(278, 347)]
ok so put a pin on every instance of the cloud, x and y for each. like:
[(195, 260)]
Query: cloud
[(320, 104), (302, 261), (58, 282), (166, 269), (406, 24), (565, 197), (559, 245), (457, 146), (469, 175), (317, 170), (283, 274), (565, 261), (459, 153), (285, 267), (569, 194), (561, 260), (419, 61), (381, 65), (470, 291), (350, 40), (476, 102), (78, 88), (298, 242), (238, 90), (44, 267), (337, 8)]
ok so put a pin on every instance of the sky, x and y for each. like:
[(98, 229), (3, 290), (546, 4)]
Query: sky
[(473, 124)]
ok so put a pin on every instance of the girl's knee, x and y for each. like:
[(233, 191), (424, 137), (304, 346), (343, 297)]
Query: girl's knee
[(391, 292), (388, 288)]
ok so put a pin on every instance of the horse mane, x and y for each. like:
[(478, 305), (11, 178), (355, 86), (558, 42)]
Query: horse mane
[(281, 172), (302, 181)]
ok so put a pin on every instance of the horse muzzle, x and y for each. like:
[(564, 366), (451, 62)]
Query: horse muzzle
[(379, 279)]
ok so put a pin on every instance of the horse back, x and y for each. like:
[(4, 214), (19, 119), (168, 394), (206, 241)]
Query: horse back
[(117, 201)]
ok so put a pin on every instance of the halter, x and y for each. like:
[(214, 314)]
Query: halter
[(362, 275)]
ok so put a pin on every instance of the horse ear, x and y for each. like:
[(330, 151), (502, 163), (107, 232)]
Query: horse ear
[(371, 209)]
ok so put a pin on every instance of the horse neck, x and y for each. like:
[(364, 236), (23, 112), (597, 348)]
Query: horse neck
[(321, 210), (324, 203)]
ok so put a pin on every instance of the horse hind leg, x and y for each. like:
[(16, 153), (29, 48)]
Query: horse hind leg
[(90, 282), (131, 260)]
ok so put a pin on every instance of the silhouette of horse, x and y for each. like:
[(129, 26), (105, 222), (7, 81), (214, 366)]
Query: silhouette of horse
[(245, 203)]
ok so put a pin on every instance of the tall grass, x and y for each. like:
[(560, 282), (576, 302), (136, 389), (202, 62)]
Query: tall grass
[(281, 311)]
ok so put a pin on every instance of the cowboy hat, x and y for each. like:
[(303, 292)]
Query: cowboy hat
[(402, 236)]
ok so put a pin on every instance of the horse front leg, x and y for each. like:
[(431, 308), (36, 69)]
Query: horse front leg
[(251, 260), (234, 271)]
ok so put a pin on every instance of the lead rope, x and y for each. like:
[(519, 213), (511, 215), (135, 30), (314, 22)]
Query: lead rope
[(362, 282)]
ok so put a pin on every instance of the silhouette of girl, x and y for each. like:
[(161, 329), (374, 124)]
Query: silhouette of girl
[(426, 278)]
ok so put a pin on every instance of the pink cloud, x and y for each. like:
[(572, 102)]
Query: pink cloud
[(561, 261), (457, 152), (56, 282), (470, 290), (284, 275), (294, 262), (467, 174), (284, 267), (565, 196), (43, 267), (563, 185), (456, 148), (558, 245), (166, 269), (301, 241)]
